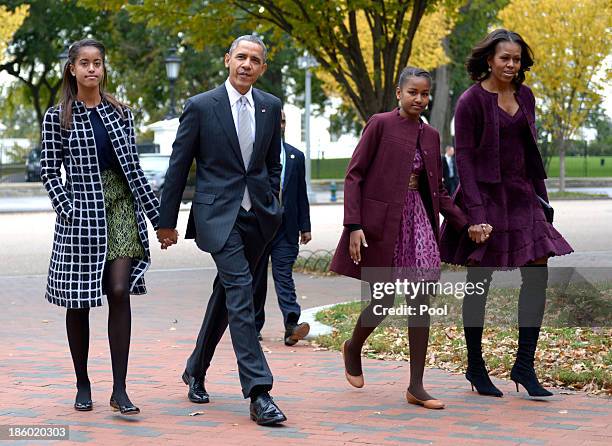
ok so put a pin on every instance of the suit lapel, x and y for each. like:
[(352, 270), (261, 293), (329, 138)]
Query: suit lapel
[(224, 114), (261, 112), (289, 165)]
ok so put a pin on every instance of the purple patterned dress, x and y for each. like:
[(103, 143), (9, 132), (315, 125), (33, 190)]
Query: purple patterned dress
[(416, 255)]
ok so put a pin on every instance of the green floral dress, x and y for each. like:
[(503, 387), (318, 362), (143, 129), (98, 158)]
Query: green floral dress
[(122, 228)]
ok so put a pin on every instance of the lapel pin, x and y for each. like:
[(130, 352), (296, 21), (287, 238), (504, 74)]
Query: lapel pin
[(263, 110), (292, 155)]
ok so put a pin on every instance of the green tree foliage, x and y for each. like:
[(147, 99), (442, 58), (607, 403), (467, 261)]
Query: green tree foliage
[(327, 29), (601, 122), (137, 53), (17, 114), (571, 41), (32, 56), (476, 19)]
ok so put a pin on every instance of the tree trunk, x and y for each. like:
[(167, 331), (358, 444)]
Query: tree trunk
[(440, 111), (35, 93), (562, 166)]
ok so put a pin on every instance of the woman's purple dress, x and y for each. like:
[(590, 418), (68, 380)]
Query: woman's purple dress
[(521, 233), (416, 252)]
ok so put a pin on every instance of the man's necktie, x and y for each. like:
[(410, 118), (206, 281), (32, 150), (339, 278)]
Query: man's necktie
[(245, 139)]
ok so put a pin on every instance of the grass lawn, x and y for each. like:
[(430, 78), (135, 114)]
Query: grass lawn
[(333, 168), (574, 167), (576, 358), (575, 195)]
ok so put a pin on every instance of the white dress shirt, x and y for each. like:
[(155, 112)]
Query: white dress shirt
[(283, 160), (449, 163), (234, 97)]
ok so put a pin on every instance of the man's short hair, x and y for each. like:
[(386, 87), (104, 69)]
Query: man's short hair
[(249, 38)]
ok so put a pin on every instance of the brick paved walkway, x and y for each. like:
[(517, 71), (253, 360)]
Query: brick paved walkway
[(36, 383)]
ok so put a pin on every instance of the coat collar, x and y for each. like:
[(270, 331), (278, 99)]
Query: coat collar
[(479, 89), (103, 108), (290, 160), (521, 94)]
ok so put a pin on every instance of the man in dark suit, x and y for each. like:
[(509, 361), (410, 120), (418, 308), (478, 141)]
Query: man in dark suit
[(284, 248), (449, 170), (233, 132)]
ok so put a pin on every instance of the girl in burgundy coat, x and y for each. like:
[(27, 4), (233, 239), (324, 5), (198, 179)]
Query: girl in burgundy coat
[(502, 175), (393, 194)]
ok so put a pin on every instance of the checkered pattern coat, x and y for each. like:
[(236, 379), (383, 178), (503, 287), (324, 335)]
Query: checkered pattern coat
[(79, 244)]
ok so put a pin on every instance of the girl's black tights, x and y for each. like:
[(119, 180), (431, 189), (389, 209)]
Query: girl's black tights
[(116, 284)]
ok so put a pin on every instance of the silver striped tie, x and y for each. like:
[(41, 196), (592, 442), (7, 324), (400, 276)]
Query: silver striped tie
[(245, 139)]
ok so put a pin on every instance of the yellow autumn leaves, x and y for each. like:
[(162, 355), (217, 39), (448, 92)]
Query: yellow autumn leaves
[(11, 21), (570, 40), (427, 50)]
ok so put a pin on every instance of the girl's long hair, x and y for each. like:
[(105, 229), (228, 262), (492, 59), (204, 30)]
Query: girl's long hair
[(68, 92)]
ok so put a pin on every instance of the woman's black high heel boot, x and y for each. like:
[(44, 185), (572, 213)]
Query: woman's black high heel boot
[(523, 371), (473, 320), (476, 372), (532, 299)]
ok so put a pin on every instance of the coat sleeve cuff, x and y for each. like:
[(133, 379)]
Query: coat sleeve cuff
[(460, 223), (477, 215), (353, 227), (66, 213)]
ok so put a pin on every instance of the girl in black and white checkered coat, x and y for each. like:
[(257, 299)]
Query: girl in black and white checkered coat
[(100, 245)]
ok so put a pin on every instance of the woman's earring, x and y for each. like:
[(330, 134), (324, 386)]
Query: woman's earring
[(489, 69)]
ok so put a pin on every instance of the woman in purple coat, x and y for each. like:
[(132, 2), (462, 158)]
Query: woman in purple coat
[(393, 194), (502, 176)]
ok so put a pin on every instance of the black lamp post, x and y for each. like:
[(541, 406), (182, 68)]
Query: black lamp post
[(173, 65)]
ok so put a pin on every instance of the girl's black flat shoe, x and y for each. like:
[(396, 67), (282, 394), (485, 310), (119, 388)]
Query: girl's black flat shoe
[(128, 409), (83, 406)]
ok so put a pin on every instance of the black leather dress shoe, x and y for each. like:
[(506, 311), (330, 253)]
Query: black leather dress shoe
[(295, 333), (265, 412), (127, 409), (197, 392)]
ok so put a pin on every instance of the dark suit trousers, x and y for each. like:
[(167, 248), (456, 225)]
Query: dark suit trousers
[(283, 254), (451, 185), (231, 303)]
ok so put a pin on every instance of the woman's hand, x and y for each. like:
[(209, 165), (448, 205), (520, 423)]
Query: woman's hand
[(357, 239), (480, 233)]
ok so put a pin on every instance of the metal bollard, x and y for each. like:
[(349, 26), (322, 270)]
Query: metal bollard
[(332, 190)]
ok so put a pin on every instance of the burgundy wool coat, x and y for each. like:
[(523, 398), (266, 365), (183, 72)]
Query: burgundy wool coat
[(376, 184), (477, 147)]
